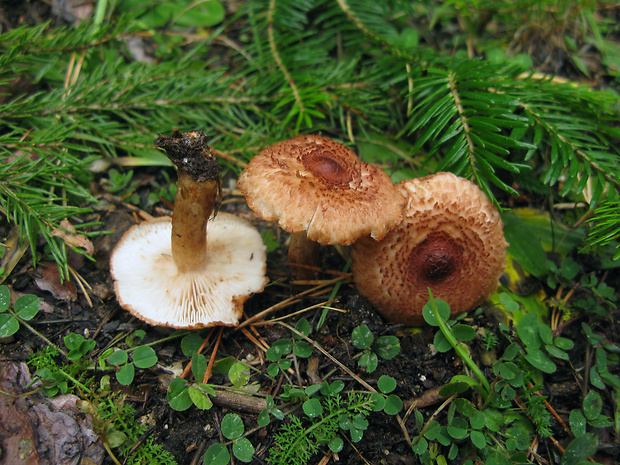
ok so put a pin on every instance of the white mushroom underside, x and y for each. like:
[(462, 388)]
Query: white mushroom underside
[(149, 285)]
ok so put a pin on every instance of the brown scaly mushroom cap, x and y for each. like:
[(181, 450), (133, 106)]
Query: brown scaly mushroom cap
[(167, 273), (315, 185), (450, 240)]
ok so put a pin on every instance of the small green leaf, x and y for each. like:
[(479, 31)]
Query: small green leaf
[(191, 343), (393, 404), (239, 374), (362, 338), (263, 418), (463, 332), (27, 306), (539, 360), (527, 329), (125, 374), (8, 325), (115, 438), (555, 352), (386, 384), (458, 428), (579, 449), (199, 366), (312, 408), (5, 298), (442, 307), (592, 405), (243, 450), (178, 395), (563, 343), (217, 454), (421, 446), (336, 444), (478, 439), (577, 422), (369, 360), (441, 343), (144, 357), (232, 426), (453, 388), (279, 349), (199, 398), (118, 357), (508, 302), (387, 347), (303, 326), (302, 349)]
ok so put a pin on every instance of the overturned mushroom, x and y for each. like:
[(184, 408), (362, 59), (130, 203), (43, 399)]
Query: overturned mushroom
[(167, 273), (450, 240), (319, 189)]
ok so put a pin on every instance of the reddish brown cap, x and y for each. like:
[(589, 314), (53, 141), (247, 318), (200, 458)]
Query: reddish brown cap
[(451, 240), (314, 184), (149, 285)]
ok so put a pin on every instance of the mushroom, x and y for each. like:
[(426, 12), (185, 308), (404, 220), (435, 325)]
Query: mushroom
[(450, 240), (165, 271), (319, 190)]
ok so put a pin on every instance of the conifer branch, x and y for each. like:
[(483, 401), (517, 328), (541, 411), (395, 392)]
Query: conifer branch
[(276, 56)]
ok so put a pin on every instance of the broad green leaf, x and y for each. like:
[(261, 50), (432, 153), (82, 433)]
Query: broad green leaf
[(8, 325), (125, 374), (191, 343), (336, 444), (178, 395), (243, 450), (464, 332), (441, 343), (478, 439), (199, 366), (592, 405), (302, 349), (458, 428), (199, 398), (369, 360), (303, 326), (239, 374), (118, 357), (27, 306), (539, 360), (579, 449), (442, 307), (387, 347), (386, 384), (217, 454), (527, 329), (577, 422), (362, 338), (393, 404), (312, 408), (5, 298), (263, 418), (144, 357), (232, 426)]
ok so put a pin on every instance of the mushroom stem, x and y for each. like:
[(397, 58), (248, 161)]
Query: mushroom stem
[(304, 252), (194, 204), (198, 187)]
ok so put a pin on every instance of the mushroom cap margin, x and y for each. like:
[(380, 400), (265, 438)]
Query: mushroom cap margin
[(314, 184), (448, 219), (148, 284)]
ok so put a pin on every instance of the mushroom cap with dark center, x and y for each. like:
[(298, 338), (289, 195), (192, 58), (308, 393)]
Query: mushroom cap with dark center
[(317, 185), (450, 240)]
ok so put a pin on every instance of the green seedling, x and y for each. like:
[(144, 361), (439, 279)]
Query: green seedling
[(282, 348), (232, 429), (25, 309), (386, 347)]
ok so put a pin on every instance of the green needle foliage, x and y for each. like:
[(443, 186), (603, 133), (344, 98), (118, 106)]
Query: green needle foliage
[(375, 74)]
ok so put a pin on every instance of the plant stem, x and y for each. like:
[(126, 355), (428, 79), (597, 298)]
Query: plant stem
[(449, 335)]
